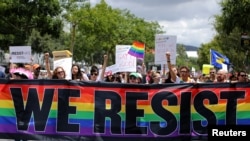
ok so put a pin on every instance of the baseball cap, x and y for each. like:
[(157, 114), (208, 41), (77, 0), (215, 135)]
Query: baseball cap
[(133, 74), (35, 66)]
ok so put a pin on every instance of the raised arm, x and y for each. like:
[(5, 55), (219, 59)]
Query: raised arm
[(104, 67), (172, 74), (47, 65)]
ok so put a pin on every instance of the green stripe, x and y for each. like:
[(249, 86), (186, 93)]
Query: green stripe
[(147, 117)]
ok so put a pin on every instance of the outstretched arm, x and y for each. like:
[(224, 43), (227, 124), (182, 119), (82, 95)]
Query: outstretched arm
[(104, 67), (172, 74), (47, 65)]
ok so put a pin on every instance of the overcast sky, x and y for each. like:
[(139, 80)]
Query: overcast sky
[(190, 20)]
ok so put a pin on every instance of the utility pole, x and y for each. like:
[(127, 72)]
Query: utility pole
[(73, 34)]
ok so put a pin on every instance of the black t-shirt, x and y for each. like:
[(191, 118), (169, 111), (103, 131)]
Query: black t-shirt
[(168, 80)]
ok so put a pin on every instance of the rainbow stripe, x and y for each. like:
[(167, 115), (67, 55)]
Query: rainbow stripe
[(85, 108), (137, 50)]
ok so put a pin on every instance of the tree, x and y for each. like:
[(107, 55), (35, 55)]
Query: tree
[(229, 26), (103, 28), (235, 14), (20, 17), (46, 43)]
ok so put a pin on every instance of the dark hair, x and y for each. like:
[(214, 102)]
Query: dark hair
[(94, 69), (20, 65), (116, 77), (79, 73), (185, 67), (21, 75)]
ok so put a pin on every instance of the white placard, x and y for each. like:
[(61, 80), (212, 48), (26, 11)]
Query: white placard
[(124, 62), (66, 64), (163, 44), (111, 69), (20, 54)]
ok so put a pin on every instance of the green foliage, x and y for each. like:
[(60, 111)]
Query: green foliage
[(104, 27), (235, 14), (19, 18), (182, 58), (233, 21), (45, 43)]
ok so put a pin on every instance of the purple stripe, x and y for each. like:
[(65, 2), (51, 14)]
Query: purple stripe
[(135, 54), (83, 131)]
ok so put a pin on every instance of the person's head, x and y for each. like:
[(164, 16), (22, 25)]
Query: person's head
[(133, 78), (108, 76), (75, 69), (184, 72), (212, 73), (76, 73), (156, 77), (36, 69), (59, 73), (94, 73), (242, 76), (20, 65), (116, 78), (221, 75)]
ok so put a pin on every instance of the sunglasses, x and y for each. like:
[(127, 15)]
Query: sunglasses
[(242, 75), (94, 74), (59, 72)]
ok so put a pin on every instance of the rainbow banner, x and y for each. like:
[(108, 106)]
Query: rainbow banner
[(137, 50), (69, 110)]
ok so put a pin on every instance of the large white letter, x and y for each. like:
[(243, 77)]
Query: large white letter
[(214, 132)]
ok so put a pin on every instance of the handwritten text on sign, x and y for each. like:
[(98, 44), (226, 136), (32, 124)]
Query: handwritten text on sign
[(163, 44), (124, 61)]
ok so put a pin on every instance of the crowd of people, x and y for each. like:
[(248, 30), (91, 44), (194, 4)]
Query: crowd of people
[(173, 75)]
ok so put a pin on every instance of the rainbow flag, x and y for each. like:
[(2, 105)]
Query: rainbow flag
[(137, 50)]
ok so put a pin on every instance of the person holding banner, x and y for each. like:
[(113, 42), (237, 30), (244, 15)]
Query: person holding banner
[(58, 73), (36, 71), (185, 75), (156, 78), (94, 71), (221, 76), (242, 77), (76, 73), (133, 78)]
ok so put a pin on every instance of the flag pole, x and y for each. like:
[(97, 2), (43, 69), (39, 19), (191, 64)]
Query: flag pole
[(210, 57)]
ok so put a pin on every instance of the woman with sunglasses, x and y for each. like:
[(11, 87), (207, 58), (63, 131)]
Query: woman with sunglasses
[(58, 73), (94, 71)]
